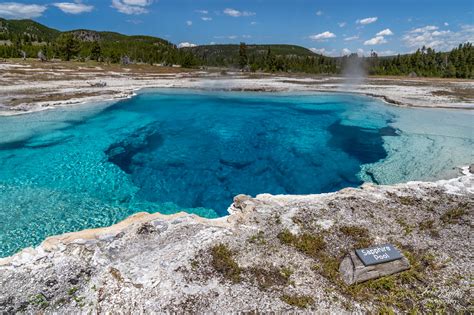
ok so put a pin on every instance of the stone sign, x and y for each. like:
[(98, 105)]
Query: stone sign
[(378, 254), (371, 263)]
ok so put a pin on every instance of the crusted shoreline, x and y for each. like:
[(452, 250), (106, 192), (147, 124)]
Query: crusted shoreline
[(253, 259), (34, 87)]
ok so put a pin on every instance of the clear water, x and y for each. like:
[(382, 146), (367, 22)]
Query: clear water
[(167, 150)]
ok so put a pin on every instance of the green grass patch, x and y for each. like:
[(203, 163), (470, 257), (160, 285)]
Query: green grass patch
[(453, 216), (301, 301), (360, 235), (306, 243), (39, 300), (258, 239), (224, 263), (268, 277), (407, 228)]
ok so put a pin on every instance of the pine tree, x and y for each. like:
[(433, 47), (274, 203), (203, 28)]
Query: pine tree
[(96, 51), (243, 58), (67, 46)]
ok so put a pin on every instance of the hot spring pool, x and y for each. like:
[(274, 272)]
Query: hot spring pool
[(92, 165)]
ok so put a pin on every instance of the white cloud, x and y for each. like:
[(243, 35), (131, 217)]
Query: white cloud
[(323, 51), (318, 50), (375, 41), (446, 24), (319, 13), (386, 53), (189, 23), (15, 10), (430, 36), (73, 7), (342, 24), (186, 44), (135, 21), (131, 6), (360, 52), (440, 33), (322, 36), (424, 29), (206, 18), (351, 38), (367, 20), (202, 11), (246, 36), (226, 37), (345, 51), (253, 23), (385, 32), (237, 13)]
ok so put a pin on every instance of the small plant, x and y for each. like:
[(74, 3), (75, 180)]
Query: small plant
[(407, 201), (360, 235), (258, 239), (194, 263), (301, 301), (428, 226), (286, 272), (72, 291), (286, 237), (224, 263), (268, 277), (39, 300), (328, 267), (79, 300), (306, 243), (116, 274), (405, 226), (453, 216)]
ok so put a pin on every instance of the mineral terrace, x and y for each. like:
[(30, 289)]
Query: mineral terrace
[(272, 253)]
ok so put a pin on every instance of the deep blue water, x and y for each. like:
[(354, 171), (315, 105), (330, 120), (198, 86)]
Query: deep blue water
[(68, 169)]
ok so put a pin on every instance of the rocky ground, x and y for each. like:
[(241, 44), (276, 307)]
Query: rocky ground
[(31, 85), (273, 253)]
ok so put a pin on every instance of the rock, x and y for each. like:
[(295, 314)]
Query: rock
[(354, 271), (242, 206)]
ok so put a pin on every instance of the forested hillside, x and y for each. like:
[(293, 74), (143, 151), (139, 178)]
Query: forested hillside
[(281, 58), (26, 38), (458, 63)]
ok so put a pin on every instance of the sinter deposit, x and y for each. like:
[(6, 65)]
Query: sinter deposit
[(273, 253)]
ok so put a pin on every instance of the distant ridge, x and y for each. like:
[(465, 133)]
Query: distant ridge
[(228, 54), (233, 50), (30, 37), (20, 28), (40, 32)]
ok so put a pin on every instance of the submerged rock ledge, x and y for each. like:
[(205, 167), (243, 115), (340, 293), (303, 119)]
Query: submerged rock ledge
[(272, 253)]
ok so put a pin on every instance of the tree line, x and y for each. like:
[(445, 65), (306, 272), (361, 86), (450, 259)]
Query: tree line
[(426, 62), (68, 46)]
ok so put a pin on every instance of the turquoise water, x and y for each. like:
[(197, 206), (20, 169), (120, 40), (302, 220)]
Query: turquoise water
[(93, 165)]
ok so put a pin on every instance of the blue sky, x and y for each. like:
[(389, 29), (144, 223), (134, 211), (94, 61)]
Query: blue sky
[(333, 27)]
